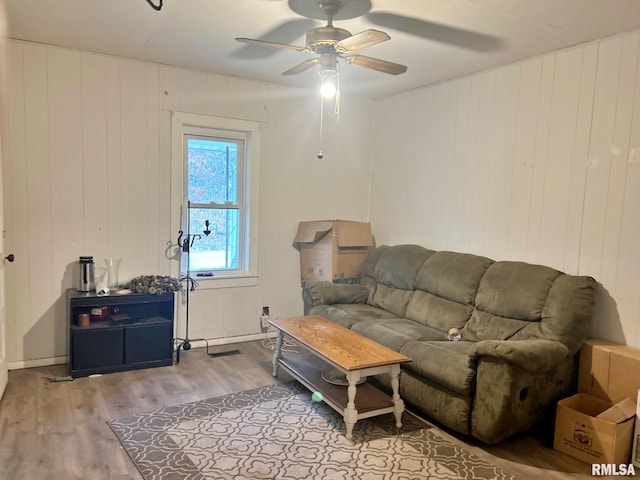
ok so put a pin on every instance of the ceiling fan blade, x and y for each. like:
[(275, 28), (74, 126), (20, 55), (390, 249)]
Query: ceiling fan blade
[(437, 32), (376, 64), (362, 40), (271, 44), (301, 67), (287, 32)]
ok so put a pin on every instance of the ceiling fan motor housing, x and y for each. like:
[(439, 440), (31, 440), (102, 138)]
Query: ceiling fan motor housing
[(322, 36)]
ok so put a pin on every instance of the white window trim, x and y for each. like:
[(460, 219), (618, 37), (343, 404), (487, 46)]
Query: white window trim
[(180, 120)]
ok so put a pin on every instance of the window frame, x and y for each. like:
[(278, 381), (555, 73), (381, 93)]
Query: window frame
[(184, 124)]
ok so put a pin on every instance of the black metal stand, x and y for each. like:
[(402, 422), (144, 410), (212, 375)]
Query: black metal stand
[(185, 242), (185, 343)]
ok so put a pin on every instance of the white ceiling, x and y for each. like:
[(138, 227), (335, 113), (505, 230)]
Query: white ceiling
[(201, 34)]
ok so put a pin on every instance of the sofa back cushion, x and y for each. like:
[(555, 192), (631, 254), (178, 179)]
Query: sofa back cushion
[(510, 295), (454, 276), (446, 287), (369, 267), (398, 266), (515, 290), (567, 314), (394, 276), (392, 299), (520, 301)]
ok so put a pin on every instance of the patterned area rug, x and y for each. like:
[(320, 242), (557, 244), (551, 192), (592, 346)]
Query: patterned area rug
[(277, 432)]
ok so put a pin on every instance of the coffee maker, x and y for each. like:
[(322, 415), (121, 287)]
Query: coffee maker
[(86, 274)]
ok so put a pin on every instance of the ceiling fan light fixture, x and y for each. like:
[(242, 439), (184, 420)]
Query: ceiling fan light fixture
[(330, 78), (328, 88)]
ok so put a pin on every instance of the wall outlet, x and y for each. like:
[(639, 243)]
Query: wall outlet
[(264, 317)]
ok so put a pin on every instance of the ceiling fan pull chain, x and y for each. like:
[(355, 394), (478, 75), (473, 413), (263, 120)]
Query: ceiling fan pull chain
[(336, 106), (320, 154)]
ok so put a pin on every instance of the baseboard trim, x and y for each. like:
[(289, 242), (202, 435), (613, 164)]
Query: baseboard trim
[(45, 362), (39, 362)]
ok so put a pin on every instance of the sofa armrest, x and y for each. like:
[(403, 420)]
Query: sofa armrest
[(535, 355), (327, 293)]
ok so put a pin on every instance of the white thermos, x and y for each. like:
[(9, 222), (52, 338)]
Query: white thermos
[(86, 274)]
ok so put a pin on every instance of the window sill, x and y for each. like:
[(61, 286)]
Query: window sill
[(226, 281)]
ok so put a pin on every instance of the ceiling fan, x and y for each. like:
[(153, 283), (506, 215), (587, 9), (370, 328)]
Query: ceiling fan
[(331, 43), (311, 11)]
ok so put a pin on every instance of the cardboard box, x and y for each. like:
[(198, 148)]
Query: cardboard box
[(332, 250), (585, 430), (609, 370), (619, 412), (635, 452)]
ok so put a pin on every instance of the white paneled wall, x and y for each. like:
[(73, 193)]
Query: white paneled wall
[(88, 173), (536, 161)]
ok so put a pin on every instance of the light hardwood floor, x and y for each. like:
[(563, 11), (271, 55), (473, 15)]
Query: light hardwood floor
[(58, 430)]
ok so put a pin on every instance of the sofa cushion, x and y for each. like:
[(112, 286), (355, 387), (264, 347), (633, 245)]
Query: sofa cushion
[(485, 326), (445, 363), (454, 276), (395, 332), (437, 312), (446, 288), (392, 299), (511, 295), (369, 267), (349, 314), (515, 289), (392, 287), (398, 265), (566, 317)]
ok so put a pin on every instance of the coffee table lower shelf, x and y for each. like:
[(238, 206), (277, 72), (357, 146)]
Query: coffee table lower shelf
[(308, 369)]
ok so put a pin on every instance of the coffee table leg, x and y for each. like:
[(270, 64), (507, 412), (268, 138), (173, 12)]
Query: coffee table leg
[(350, 413), (277, 353), (398, 404)]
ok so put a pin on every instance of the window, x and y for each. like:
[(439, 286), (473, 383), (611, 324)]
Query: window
[(214, 200), (214, 179)]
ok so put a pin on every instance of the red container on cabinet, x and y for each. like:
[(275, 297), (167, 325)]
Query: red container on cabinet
[(100, 313)]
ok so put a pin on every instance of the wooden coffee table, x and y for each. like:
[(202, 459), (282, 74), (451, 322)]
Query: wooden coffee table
[(351, 353)]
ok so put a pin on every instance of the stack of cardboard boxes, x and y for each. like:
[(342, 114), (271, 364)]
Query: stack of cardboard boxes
[(597, 424)]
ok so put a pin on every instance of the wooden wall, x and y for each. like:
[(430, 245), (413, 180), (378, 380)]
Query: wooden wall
[(88, 173), (536, 161)]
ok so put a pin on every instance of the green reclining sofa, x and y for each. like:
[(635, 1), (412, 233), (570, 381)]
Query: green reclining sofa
[(521, 326)]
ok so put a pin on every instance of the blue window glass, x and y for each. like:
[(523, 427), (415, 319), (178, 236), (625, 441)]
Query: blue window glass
[(212, 171), (213, 193)]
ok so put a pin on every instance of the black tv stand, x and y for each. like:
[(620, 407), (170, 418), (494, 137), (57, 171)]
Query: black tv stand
[(136, 332)]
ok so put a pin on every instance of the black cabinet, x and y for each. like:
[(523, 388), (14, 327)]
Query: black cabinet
[(125, 332)]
